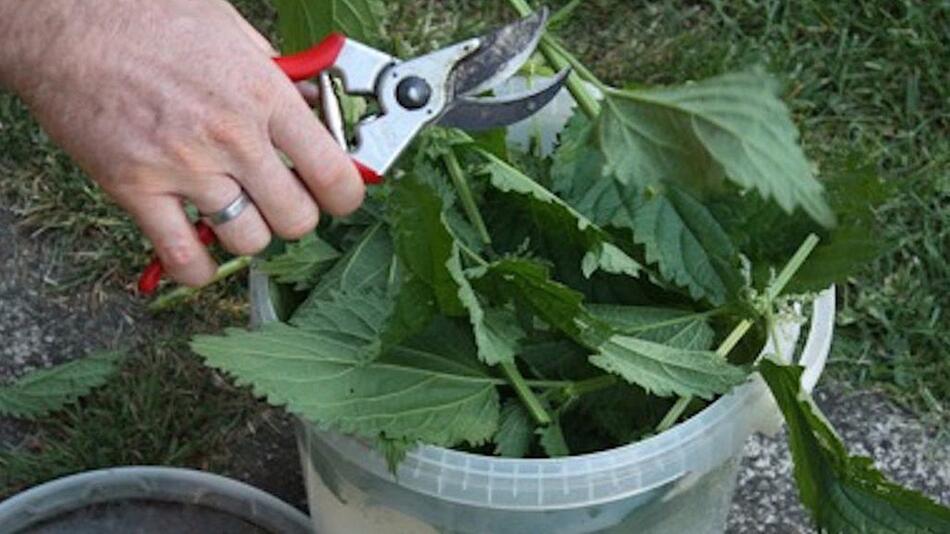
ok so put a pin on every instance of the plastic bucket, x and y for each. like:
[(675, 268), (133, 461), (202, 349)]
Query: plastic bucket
[(679, 481), (148, 500)]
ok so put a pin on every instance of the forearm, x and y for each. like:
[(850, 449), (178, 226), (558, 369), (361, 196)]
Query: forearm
[(27, 30)]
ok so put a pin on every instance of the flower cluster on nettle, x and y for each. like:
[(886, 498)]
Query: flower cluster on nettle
[(527, 306)]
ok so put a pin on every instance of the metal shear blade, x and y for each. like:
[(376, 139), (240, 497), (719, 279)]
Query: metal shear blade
[(499, 56), (477, 114), (440, 88)]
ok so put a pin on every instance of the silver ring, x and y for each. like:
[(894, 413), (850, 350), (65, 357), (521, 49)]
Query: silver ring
[(230, 212)]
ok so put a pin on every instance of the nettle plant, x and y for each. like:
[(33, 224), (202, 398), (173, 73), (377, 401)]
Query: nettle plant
[(506, 303)]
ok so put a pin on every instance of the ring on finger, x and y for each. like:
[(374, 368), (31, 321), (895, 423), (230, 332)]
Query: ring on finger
[(230, 212)]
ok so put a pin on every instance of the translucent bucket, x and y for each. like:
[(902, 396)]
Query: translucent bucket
[(680, 481), (148, 500)]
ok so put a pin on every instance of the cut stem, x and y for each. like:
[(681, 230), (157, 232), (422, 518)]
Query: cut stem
[(517, 381), (180, 294), (559, 60), (771, 293), (466, 196)]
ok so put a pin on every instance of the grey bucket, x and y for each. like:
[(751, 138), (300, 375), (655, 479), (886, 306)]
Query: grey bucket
[(681, 480), (148, 500)]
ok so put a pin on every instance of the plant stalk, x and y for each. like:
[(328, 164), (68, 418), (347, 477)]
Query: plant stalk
[(517, 381), (466, 196), (588, 104), (771, 293), (590, 385), (180, 294)]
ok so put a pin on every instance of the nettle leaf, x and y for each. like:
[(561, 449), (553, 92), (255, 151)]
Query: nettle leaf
[(844, 493), (690, 248), (678, 233), (552, 440), (515, 430), (552, 215), (676, 328), (301, 262), (430, 253), (497, 333), (557, 359), (48, 390), (430, 388), (729, 127), (529, 284), (366, 266), (857, 240), (666, 370), (423, 242), (303, 23)]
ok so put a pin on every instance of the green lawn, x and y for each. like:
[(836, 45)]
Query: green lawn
[(866, 79)]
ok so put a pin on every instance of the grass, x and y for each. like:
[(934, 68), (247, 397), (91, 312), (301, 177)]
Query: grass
[(164, 408), (864, 78)]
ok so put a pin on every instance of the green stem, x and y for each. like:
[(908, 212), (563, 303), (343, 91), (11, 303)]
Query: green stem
[(559, 61), (674, 414), (785, 275), (183, 293), (586, 74), (590, 385), (771, 293), (549, 384), (465, 195), (564, 14), (527, 396)]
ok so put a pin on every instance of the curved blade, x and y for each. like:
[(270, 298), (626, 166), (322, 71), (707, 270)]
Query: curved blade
[(500, 55), (476, 114)]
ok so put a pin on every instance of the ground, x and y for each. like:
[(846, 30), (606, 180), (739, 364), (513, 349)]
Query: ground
[(865, 79)]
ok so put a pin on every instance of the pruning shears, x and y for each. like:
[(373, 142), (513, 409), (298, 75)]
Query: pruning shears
[(439, 88)]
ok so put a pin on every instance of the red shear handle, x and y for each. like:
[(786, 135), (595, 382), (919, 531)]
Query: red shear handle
[(309, 63), (152, 275)]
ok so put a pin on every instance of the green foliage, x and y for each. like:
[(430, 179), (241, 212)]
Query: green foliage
[(423, 242), (851, 84), (484, 316), (692, 250), (678, 233), (302, 23), (301, 262), (552, 441), (730, 127), (664, 370), (497, 333), (515, 431), (430, 388), (552, 215), (844, 493), (529, 285), (677, 328), (48, 390)]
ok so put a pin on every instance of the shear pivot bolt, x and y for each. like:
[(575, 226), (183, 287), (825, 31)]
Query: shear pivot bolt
[(413, 93)]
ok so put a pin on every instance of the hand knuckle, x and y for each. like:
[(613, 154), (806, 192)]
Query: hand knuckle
[(332, 171), (303, 222), (235, 135), (252, 242), (177, 254)]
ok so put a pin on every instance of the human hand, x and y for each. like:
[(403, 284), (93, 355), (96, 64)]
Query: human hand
[(162, 101)]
